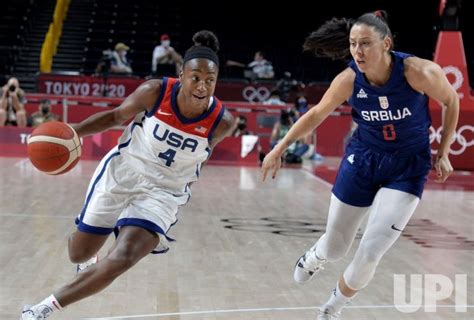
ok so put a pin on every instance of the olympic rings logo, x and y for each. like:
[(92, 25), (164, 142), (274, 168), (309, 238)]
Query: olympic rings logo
[(252, 94), (461, 136), (458, 77)]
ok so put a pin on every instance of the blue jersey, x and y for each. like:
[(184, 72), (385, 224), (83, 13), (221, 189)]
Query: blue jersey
[(393, 117), (390, 148)]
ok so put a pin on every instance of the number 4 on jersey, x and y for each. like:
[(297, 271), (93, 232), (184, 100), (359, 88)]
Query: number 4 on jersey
[(168, 156)]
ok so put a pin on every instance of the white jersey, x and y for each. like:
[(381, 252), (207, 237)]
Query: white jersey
[(145, 179), (167, 148)]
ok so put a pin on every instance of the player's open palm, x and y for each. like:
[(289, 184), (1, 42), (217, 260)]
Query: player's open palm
[(272, 162), (443, 168)]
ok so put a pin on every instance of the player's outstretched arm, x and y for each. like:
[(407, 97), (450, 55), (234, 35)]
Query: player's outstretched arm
[(140, 100), (339, 91)]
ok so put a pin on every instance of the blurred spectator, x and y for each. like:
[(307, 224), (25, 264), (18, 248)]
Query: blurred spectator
[(12, 108), (164, 55), (240, 126), (280, 128), (43, 115), (301, 105), (260, 67), (287, 84), (119, 62), (274, 99), (295, 152)]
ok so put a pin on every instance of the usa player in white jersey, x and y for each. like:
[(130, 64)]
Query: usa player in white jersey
[(139, 185), (388, 158)]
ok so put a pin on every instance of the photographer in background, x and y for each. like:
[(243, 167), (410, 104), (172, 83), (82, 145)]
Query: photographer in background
[(240, 127), (43, 115), (12, 109), (287, 84)]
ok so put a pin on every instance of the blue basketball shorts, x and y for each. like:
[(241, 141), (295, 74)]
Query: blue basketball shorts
[(363, 171)]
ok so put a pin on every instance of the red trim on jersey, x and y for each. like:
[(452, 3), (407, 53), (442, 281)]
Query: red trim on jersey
[(166, 114)]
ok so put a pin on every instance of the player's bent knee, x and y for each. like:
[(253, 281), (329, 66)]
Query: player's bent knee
[(333, 248), (79, 255), (84, 246)]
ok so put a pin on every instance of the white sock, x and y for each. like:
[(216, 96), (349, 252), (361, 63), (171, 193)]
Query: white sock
[(47, 306), (337, 300)]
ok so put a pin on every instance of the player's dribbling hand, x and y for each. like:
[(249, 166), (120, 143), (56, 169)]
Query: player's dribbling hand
[(443, 168), (272, 161)]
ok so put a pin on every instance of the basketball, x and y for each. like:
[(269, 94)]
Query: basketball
[(54, 147)]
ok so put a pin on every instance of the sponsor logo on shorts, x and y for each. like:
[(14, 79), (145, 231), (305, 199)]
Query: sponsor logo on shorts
[(351, 159)]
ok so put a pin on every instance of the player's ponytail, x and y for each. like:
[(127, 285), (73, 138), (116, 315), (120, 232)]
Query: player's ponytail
[(207, 39), (205, 46), (331, 39)]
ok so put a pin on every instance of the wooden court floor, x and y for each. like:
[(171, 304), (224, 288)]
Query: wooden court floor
[(237, 242)]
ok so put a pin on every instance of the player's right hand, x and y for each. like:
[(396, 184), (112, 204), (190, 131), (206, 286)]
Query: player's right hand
[(272, 161), (443, 168)]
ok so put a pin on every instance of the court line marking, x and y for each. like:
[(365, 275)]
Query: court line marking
[(33, 215), (312, 175), (269, 309), (21, 162)]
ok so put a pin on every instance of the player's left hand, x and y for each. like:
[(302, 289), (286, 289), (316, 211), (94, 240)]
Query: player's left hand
[(443, 168)]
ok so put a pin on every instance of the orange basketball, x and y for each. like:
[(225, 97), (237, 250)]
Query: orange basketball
[(54, 147)]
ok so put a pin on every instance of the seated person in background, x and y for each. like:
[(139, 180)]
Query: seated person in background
[(295, 151), (119, 63), (164, 54), (43, 115), (261, 68), (280, 128), (240, 126), (287, 84), (12, 108), (301, 106), (274, 99)]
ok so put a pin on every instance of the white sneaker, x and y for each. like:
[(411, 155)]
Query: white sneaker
[(83, 266), (307, 266), (28, 314), (326, 314)]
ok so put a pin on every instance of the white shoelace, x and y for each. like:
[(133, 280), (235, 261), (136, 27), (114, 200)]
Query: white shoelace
[(313, 262)]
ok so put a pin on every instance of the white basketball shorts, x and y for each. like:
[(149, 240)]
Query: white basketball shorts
[(118, 196)]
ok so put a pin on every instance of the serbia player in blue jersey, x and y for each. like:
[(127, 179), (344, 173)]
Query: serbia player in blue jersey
[(139, 186), (387, 161)]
